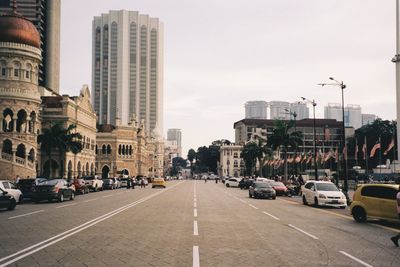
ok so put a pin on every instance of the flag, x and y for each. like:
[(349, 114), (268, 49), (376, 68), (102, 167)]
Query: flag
[(309, 159), (298, 158), (336, 155), (373, 150), (391, 145), (328, 155), (364, 150), (345, 152), (356, 151), (326, 134)]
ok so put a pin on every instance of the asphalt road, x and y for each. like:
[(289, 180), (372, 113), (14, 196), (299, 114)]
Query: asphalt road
[(191, 223)]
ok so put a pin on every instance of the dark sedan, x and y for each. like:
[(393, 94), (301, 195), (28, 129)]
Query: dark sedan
[(57, 189), (246, 183), (262, 190), (26, 186), (7, 201)]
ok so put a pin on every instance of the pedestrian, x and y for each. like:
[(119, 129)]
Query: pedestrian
[(17, 178), (142, 184), (128, 183), (133, 182), (396, 238)]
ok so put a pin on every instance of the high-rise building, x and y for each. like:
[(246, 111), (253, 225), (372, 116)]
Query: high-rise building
[(352, 114), (176, 136), (368, 118), (279, 110), (301, 110), (256, 109), (45, 15), (127, 68)]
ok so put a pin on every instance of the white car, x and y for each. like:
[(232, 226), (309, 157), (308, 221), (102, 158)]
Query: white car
[(323, 193), (93, 182), (232, 182), (12, 190)]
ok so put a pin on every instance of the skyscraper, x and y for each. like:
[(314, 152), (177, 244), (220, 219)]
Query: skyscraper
[(175, 135), (45, 15), (127, 68), (352, 114), (368, 118), (256, 109), (301, 110), (278, 110)]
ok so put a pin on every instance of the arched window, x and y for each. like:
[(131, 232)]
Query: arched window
[(97, 150), (235, 164), (17, 69), (21, 121), (108, 149), (130, 150), (3, 68), (119, 150), (28, 71), (8, 124), (21, 151), (123, 149), (7, 147), (235, 155), (104, 149)]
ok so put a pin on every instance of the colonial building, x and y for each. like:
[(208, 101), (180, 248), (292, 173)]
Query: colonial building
[(230, 160)]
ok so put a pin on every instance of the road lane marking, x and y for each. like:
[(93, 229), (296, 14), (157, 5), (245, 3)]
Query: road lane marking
[(354, 258), (26, 214), (276, 218), (119, 193), (93, 199), (241, 200), (67, 205), (254, 207), (304, 232), (195, 204), (107, 196), (195, 228), (57, 238), (196, 256), (195, 212)]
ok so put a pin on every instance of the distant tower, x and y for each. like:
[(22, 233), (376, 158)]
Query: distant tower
[(352, 114), (127, 68), (256, 109), (301, 110), (278, 110), (45, 15), (176, 135)]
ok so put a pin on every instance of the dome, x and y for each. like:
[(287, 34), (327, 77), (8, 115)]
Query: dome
[(16, 29)]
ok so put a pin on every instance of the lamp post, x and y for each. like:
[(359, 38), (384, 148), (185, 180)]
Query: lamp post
[(345, 178), (294, 114), (396, 60), (314, 104)]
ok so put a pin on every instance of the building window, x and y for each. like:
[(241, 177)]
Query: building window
[(16, 72)]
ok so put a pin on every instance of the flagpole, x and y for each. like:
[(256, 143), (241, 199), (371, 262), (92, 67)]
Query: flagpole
[(380, 155), (366, 155), (356, 149)]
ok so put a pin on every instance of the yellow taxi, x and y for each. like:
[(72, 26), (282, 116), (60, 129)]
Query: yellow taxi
[(159, 182), (375, 201)]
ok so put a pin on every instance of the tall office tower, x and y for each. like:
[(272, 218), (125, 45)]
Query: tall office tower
[(176, 136), (127, 68), (368, 118), (352, 114), (301, 110), (256, 109), (45, 15), (279, 110)]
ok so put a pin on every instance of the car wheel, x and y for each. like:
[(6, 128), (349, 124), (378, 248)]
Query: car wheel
[(61, 197), (359, 214), (274, 197), (12, 205), (255, 196), (21, 199), (304, 200), (72, 196), (250, 196), (316, 202), (227, 185)]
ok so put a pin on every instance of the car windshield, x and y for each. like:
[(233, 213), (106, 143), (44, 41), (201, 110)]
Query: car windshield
[(26, 181), (262, 185), (326, 187), (49, 182), (277, 184)]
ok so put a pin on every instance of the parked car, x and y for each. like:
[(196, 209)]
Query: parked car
[(80, 186), (26, 186), (7, 201), (93, 182), (375, 201), (12, 190), (159, 182), (279, 187), (108, 183), (53, 189), (124, 182), (246, 183), (117, 183), (323, 193), (262, 190), (232, 182)]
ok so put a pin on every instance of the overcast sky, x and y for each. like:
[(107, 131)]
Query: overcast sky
[(221, 53)]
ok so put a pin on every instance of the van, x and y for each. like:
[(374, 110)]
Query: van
[(375, 201)]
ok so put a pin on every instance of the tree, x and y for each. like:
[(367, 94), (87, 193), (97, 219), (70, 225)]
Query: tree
[(250, 153), (283, 138), (264, 151), (178, 163), (191, 156), (57, 138)]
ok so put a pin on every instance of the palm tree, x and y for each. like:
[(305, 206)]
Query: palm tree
[(57, 138), (283, 138), (264, 151), (250, 153)]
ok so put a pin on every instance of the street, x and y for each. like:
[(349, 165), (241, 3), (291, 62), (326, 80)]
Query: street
[(191, 223)]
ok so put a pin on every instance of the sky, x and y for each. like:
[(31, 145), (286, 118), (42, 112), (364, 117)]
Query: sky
[(218, 54)]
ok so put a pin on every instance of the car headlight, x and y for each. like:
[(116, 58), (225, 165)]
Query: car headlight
[(321, 196)]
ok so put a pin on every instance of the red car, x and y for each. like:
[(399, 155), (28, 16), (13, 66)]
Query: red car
[(279, 187), (80, 186)]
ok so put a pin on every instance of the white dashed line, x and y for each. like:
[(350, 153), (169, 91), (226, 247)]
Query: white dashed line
[(195, 205), (93, 199), (304, 232), (195, 212), (276, 218), (195, 228), (59, 207), (107, 196), (26, 214), (354, 258), (241, 200), (254, 207), (196, 257)]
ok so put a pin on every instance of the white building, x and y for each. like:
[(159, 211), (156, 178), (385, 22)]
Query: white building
[(301, 110), (127, 68), (256, 109), (352, 114), (230, 160), (368, 118), (175, 136), (279, 110)]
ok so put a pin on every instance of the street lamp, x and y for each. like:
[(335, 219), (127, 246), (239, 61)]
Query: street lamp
[(314, 104), (294, 114), (342, 86)]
